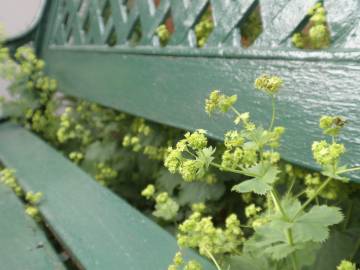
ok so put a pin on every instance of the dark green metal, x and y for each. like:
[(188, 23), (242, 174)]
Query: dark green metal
[(23, 243), (172, 90), (98, 229)]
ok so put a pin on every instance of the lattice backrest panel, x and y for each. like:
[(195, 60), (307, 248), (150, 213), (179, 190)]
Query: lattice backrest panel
[(135, 22)]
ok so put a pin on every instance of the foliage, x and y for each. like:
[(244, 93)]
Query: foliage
[(291, 226)]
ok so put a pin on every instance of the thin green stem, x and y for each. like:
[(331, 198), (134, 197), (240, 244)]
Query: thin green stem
[(349, 170), (292, 184), (288, 232), (235, 111), (273, 113), (213, 259), (348, 215), (357, 246), (323, 185), (277, 203), (222, 168)]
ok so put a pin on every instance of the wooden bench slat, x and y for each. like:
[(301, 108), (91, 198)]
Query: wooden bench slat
[(172, 89), (99, 229), (23, 244)]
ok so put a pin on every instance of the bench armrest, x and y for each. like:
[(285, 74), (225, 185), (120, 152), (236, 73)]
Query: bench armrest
[(29, 33)]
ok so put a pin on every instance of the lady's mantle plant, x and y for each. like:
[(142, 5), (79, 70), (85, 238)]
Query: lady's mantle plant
[(291, 230)]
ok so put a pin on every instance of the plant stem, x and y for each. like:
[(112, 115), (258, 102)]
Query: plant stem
[(349, 170), (277, 203), (222, 168), (213, 259), (288, 232), (235, 111), (273, 113), (357, 246), (323, 185)]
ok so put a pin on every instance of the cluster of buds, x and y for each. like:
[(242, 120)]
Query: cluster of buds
[(269, 84), (191, 157)]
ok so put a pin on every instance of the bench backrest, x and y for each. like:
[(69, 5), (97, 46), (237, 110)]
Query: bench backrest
[(169, 84)]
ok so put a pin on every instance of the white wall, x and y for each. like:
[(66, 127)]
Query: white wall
[(16, 16)]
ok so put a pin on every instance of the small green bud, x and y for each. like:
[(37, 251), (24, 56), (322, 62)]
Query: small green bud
[(346, 265), (148, 192)]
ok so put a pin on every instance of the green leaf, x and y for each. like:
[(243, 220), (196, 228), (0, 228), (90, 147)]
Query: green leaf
[(313, 225), (280, 251), (264, 174), (340, 245), (253, 185), (196, 192), (167, 181), (247, 262), (100, 151), (329, 171)]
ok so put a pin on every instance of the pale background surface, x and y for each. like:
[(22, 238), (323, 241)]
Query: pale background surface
[(16, 16)]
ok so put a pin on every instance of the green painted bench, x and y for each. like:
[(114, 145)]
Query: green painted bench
[(93, 58)]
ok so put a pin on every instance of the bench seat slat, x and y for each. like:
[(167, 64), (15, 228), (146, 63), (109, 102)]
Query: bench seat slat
[(23, 244), (99, 229)]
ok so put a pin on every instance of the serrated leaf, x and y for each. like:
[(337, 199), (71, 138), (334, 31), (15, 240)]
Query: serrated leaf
[(100, 151), (336, 248), (280, 251), (168, 181), (314, 225), (329, 171), (264, 174), (199, 192), (247, 262), (253, 185)]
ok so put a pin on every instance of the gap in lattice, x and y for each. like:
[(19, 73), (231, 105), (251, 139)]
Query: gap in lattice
[(86, 24), (251, 26), (106, 12), (136, 34), (165, 29), (204, 26), (157, 3), (313, 32), (112, 39)]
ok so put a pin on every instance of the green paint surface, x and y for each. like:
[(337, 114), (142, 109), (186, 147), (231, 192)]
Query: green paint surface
[(99, 229), (23, 245), (172, 90)]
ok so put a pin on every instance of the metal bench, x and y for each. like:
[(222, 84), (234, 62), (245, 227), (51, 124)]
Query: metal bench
[(168, 85)]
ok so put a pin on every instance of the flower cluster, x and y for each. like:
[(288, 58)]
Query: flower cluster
[(204, 28), (104, 173), (218, 102), (70, 129), (269, 84), (7, 176), (199, 232), (76, 156), (318, 35), (163, 33), (191, 157), (178, 261), (327, 153), (31, 91), (346, 265), (33, 200), (166, 208)]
